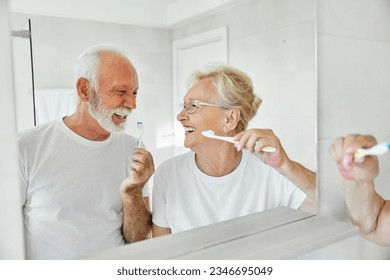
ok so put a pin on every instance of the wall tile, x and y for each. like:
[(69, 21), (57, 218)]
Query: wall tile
[(296, 135), (252, 17), (282, 50), (353, 86), (330, 196), (355, 19)]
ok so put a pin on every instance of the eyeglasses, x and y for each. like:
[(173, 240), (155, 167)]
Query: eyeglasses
[(193, 105)]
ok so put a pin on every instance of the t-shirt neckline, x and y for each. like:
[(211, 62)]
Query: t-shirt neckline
[(76, 137)]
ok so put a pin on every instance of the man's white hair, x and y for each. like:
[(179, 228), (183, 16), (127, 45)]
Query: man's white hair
[(88, 62)]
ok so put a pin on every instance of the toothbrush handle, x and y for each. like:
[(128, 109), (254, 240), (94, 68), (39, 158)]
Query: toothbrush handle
[(376, 150), (230, 140), (269, 149), (266, 149)]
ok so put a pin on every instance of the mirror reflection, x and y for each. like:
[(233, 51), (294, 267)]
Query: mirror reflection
[(273, 43), (354, 65)]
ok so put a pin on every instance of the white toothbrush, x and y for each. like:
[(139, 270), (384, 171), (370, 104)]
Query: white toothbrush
[(211, 134), (140, 127), (376, 150)]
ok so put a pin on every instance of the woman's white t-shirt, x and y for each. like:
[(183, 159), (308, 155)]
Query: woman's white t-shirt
[(185, 198)]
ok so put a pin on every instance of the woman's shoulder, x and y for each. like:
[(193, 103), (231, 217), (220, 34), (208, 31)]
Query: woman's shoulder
[(179, 161)]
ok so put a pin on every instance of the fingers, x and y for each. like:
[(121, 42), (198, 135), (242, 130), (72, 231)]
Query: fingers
[(343, 152), (256, 139), (343, 148), (142, 166), (336, 149), (140, 170), (142, 159)]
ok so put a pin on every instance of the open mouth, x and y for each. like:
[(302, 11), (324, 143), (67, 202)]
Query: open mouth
[(122, 117), (188, 129)]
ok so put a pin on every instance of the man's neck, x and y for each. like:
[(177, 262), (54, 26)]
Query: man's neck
[(86, 126)]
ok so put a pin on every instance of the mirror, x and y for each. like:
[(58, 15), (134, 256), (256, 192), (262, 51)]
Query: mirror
[(353, 69), (272, 41)]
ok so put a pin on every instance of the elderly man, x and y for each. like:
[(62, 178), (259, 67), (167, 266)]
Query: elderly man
[(72, 168)]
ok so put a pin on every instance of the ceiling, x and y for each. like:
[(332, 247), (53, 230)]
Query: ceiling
[(157, 13)]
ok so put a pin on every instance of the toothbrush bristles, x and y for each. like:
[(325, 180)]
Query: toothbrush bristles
[(140, 127)]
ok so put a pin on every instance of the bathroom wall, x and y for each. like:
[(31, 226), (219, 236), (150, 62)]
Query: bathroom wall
[(353, 93), (274, 42), (11, 233)]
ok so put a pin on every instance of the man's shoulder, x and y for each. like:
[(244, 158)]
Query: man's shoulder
[(37, 131), (125, 138)]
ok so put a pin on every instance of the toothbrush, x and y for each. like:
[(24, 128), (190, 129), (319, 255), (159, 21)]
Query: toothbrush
[(376, 150), (140, 127), (211, 134)]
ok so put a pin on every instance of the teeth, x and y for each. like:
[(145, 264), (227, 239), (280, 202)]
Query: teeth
[(189, 129), (120, 116)]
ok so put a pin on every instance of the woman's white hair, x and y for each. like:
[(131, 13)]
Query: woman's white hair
[(234, 89)]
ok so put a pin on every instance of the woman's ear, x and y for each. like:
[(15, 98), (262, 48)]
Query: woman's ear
[(232, 118), (83, 89)]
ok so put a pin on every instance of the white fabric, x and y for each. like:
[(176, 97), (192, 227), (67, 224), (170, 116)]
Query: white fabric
[(51, 104), (72, 203), (185, 198)]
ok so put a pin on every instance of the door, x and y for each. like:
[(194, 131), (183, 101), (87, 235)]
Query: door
[(191, 54)]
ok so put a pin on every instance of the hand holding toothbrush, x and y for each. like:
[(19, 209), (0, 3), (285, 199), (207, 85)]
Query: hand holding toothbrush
[(258, 141), (141, 168), (347, 152), (268, 148)]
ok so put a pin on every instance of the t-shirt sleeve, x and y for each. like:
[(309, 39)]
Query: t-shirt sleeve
[(146, 190), (23, 178), (293, 196), (159, 197)]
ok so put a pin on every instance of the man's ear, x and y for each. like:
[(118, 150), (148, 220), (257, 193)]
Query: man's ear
[(232, 118), (83, 89)]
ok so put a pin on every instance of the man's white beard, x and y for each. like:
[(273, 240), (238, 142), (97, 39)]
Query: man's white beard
[(103, 115)]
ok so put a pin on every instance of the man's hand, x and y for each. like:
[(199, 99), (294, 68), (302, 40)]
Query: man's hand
[(140, 170)]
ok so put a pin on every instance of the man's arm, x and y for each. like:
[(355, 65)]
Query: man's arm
[(160, 231), (137, 219)]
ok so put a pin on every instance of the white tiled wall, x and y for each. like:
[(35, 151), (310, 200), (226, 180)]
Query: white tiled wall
[(353, 89), (274, 42)]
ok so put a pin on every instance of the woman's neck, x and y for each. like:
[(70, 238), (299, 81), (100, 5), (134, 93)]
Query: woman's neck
[(218, 163)]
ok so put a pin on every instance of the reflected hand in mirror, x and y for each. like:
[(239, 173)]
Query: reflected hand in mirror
[(365, 207), (216, 180)]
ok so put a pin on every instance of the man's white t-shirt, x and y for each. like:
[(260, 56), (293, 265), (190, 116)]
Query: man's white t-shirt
[(70, 188), (185, 198)]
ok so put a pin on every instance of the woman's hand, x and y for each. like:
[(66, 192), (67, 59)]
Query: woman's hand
[(254, 140), (358, 169)]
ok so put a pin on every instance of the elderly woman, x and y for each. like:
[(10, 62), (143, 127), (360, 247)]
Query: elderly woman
[(217, 180)]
